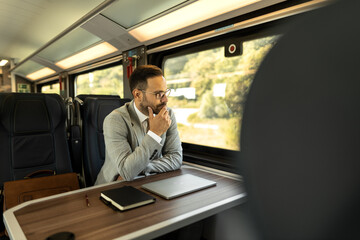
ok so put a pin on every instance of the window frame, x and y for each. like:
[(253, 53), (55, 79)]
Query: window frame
[(219, 158)]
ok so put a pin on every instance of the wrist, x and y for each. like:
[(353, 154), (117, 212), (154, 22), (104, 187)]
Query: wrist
[(154, 136), (159, 133)]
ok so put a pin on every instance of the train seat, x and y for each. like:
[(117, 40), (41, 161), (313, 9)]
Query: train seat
[(32, 135), (301, 134), (93, 112), (75, 112)]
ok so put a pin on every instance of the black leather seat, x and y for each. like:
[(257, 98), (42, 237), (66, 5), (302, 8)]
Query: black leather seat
[(300, 137), (94, 110), (76, 109), (32, 135)]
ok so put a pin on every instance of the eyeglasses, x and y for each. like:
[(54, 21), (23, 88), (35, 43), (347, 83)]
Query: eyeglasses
[(159, 95)]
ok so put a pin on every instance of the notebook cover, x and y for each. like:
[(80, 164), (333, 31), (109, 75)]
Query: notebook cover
[(127, 197)]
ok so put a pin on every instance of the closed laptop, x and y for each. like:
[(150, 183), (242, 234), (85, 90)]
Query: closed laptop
[(177, 186)]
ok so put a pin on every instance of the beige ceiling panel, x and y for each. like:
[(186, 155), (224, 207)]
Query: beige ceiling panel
[(27, 25)]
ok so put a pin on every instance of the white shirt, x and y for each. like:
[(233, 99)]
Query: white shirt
[(142, 117)]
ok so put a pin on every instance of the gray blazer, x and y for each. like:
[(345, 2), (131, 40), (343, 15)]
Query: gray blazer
[(129, 151)]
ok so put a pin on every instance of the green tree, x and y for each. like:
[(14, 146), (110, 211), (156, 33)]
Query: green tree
[(213, 107), (106, 81), (237, 88)]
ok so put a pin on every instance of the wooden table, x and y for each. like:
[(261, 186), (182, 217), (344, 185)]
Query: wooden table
[(37, 219)]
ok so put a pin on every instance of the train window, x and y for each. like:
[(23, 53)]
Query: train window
[(209, 91), (51, 88), (105, 81)]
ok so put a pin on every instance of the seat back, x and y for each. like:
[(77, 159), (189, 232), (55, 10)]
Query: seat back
[(32, 135), (301, 134), (94, 111), (75, 111)]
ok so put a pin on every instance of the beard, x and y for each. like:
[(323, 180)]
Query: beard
[(155, 107)]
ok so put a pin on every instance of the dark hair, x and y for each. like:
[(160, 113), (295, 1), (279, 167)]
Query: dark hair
[(138, 79)]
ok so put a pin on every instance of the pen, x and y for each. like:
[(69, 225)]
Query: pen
[(87, 200)]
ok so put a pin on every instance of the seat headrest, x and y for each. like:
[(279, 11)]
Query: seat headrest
[(30, 116), (24, 113)]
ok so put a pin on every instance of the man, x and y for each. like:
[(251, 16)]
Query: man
[(141, 137)]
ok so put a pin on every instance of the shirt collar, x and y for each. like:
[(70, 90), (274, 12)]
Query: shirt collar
[(140, 115)]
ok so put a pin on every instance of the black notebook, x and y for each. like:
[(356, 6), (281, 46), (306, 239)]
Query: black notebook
[(126, 197)]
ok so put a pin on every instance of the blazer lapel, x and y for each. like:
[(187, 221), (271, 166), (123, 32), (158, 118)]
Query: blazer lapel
[(135, 123)]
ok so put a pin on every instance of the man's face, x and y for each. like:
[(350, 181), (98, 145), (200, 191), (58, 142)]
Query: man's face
[(150, 98)]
